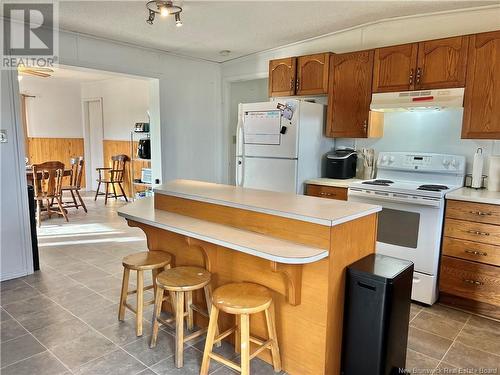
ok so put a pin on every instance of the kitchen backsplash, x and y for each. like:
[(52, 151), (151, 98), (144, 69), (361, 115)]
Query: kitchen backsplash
[(436, 131)]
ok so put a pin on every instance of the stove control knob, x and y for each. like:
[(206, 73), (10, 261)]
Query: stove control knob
[(384, 159), (391, 159), (454, 163), (446, 163)]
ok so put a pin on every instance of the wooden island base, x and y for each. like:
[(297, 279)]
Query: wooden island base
[(308, 297)]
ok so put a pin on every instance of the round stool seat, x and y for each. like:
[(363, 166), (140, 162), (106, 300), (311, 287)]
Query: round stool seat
[(183, 279), (147, 260), (242, 298)]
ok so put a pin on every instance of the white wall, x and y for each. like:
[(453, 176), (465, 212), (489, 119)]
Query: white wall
[(190, 100), (438, 132), (125, 102), (56, 110)]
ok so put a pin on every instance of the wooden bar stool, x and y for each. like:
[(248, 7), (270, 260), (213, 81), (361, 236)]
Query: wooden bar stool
[(241, 299), (180, 282), (156, 261)]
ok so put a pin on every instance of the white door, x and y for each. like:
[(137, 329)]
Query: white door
[(270, 174), (94, 136)]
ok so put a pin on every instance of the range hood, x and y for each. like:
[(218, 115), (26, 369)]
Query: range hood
[(424, 100)]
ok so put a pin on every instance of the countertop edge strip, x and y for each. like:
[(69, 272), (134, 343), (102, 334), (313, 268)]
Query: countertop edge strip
[(243, 249), (311, 219)]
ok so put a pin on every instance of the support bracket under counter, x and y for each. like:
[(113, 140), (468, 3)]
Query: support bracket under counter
[(292, 275)]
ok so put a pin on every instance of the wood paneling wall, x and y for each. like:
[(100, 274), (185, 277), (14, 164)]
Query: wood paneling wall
[(111, 148), (61, 149)]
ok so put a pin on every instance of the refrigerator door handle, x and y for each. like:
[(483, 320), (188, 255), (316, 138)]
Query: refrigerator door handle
[(240, 165), (240, 149)]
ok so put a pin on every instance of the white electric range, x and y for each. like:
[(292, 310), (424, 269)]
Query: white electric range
[(411, 187)]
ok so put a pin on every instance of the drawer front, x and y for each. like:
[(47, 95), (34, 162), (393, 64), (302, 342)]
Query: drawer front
[(475, 281), (330, 192), (478, 212), (469, 250), (467, 230)]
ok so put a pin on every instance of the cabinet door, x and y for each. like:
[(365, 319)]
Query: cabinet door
[(394, 68), (442, 63), (312, 74), (482, 88), (282, 76), (349, 94)]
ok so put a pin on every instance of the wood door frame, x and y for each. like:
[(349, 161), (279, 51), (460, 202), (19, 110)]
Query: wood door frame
[(86, 139)]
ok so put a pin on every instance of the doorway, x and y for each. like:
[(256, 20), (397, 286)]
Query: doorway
[(251, 91), (93, 139)]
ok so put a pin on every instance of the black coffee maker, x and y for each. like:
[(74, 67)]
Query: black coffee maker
[(144, 148)]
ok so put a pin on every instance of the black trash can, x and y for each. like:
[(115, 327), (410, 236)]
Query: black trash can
[(34, 238), (376, 316)]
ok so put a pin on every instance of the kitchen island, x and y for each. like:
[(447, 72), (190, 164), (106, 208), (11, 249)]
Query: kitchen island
[(297, 246)]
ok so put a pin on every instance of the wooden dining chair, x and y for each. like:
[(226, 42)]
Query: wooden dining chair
[(77, 168), (111, 176), (47, 183)]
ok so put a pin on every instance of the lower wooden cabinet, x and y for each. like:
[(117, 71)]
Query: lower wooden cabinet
[(330, 192), (470, 262)]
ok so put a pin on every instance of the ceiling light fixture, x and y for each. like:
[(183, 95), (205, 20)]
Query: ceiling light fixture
[(164, 8)]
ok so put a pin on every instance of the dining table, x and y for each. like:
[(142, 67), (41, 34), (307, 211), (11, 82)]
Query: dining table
[(29, 174)]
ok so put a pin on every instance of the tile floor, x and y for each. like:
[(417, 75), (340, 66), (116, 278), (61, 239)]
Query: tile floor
[(62, 319)]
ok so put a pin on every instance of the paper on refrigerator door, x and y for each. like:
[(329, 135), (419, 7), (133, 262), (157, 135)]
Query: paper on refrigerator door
[(262, 127)]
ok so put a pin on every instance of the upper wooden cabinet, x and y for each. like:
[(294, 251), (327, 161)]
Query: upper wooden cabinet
[(441, 63), (282, 76), (303, 75), (349, 94), (394, 68), (312, 74), (482, 89), (434, 64)]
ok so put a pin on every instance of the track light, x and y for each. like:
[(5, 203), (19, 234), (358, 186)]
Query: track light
[(164, 8), (178, 21)]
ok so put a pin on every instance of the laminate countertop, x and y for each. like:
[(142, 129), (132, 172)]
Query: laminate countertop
[(300, 207), (334, 182), (475, 195)]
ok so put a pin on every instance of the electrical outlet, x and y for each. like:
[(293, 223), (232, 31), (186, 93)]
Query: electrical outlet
[(3, 135)]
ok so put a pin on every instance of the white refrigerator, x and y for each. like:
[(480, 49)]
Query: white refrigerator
[(279, 148)]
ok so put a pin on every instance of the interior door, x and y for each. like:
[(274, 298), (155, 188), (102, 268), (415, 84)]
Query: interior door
[(394, 68), (94, 139), (282, 75), (270, 174), (442, 63), (349, 94)]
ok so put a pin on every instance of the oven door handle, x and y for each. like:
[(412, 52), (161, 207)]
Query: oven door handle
[(436, 203)]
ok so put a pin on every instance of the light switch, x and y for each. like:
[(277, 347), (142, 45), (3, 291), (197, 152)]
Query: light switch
[(3, 135)]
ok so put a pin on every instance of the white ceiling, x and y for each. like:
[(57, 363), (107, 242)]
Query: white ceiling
[(242, 27)]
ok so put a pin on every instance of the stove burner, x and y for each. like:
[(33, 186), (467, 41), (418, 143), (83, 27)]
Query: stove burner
[(378, 182), (433, 187)]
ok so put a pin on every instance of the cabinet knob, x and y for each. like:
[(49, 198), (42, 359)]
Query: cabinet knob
[(292, 83), (297, 85), (411, 76), (365, 126)]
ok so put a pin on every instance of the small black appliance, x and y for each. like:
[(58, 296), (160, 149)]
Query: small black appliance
[(144, 148), (141, 127), (341, 164), (376, 316)]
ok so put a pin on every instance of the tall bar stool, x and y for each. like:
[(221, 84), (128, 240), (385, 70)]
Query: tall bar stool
[(156, 261), (241, 299), (180, 282)]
